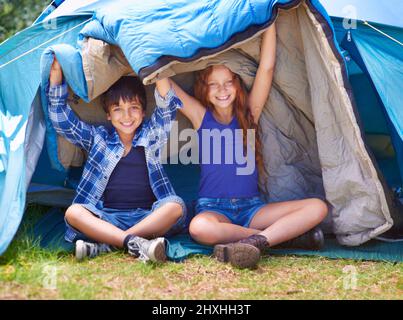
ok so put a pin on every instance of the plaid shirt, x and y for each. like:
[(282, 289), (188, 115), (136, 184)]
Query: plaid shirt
[(105, 148)]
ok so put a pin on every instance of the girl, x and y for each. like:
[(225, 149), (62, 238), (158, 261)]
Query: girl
[(229, 212)]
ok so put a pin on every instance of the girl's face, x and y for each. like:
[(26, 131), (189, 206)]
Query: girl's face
[(221, 88)]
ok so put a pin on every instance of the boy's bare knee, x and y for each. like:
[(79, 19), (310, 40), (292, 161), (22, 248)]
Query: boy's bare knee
[(178, 210), (175, 210), (73, 213)]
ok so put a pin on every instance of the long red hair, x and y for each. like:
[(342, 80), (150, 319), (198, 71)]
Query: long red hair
[(241, 109)]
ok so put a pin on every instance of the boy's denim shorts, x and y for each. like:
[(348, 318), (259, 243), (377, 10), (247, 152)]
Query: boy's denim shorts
[(125, 219), (239, 211)]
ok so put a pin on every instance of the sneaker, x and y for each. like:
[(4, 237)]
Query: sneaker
[(153, 250), (90, 250), (240, 255), (311, 240)]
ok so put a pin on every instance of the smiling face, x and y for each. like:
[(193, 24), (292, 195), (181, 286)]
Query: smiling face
[(126, 116), (221, 88)]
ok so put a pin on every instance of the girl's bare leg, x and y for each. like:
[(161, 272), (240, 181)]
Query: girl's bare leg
[(283, 221), (211, 228), (278, 222)]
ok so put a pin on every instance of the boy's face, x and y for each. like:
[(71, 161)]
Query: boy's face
[(126, 117)]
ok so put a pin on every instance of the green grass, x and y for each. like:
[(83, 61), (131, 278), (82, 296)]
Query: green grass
[(26, 273)]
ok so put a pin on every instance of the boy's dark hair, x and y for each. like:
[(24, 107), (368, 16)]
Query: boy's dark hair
[(127, 88)]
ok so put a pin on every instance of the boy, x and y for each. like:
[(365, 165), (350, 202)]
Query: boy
[(124, 196)]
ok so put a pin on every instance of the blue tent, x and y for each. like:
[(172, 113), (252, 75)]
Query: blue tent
[(372, 42), (373, 50), (159, 38)]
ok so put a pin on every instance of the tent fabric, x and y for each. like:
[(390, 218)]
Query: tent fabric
[(379, 58), (19, 83), (299, 133), (313, 144), (182, 246), (388, 12), (382, 60)]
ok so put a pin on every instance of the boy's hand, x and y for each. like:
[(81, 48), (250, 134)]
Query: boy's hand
[(56, 74)]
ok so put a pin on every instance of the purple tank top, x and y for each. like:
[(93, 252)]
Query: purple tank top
[(224, 171)]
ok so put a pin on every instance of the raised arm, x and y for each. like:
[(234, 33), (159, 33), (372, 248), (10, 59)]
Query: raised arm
[(63, 118), (264, 75), (192, 108), (56, 74)]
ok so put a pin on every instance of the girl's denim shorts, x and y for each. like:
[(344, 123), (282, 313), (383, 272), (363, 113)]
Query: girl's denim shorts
[(239, 211)]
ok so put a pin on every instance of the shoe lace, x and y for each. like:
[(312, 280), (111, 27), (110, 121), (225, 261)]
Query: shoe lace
[(143, 256), (92, 250), (138, 247)]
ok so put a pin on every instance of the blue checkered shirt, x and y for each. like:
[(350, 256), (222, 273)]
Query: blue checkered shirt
[(105, 148)]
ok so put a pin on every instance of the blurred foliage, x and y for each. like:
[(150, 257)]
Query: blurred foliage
[(17, 15)]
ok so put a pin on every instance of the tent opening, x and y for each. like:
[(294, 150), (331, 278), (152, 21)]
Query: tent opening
[(313, 145)]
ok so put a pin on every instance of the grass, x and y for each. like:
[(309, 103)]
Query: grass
[(29, 272)]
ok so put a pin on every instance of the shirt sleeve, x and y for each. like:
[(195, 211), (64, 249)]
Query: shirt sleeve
[(65, 121), (165, 112)]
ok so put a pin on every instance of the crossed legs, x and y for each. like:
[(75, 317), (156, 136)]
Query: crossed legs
[(278, 222), (154, 225)]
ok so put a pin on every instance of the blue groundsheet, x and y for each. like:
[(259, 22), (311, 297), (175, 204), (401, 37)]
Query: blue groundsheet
[(50, 230)]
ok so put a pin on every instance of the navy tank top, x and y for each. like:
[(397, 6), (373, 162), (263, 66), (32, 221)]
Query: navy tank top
[(129, 184), (224, 171)]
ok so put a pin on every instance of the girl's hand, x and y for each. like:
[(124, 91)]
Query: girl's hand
[(56, 73), (192, 108)]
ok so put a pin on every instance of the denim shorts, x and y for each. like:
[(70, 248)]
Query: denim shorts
[(239, 211), (125, 219)]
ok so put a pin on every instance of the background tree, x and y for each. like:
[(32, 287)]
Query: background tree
[(17, 15)]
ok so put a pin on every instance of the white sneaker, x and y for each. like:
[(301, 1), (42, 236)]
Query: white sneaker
[(153, 250), (90, 250)]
